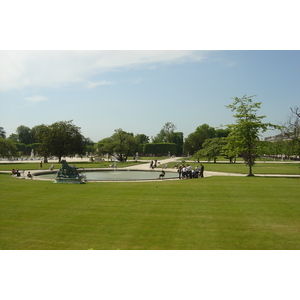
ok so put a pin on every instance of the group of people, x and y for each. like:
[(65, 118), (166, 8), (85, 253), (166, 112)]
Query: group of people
[(187, 172), (17, 172), (153, 164)]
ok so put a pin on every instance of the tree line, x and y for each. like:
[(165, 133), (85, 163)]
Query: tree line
[(239, 139)]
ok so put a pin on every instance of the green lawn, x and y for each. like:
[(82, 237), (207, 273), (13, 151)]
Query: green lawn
[(258, 168), (208, 213)]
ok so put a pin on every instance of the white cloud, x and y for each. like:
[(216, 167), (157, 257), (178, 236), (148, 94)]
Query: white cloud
[(91, 85), (35, 99), (20, 69)]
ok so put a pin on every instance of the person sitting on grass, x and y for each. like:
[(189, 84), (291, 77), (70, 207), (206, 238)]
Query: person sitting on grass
[(162, 174)]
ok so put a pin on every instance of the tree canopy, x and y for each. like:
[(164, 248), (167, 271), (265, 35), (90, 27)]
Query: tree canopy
[(212, 148), (60, 139), (120, 145), (2, 132), (194, 141), (7, 148), (244, 135)]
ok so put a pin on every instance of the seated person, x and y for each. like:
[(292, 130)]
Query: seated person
[(29, 175), (13, 172), (162, 174)]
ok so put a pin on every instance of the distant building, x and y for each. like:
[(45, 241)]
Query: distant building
[(276, 137)]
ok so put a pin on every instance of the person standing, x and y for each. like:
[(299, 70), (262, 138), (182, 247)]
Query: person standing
[(179, 172), (184, 173), (197, 172), (201, 172)]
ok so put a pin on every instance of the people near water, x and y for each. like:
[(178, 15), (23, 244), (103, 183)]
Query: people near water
[(187, 172), (151, 164), (184, 172), (29, 175), (162, 174), (197, 170), (180, 172), (201, 173)]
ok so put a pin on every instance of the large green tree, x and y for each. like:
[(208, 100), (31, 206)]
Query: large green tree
[(7, 148), (244, 134), (60, 139), (142, 139), (24, 135), (195, 140), (165, 134), (212, 148), (168, 135), (120, 145)]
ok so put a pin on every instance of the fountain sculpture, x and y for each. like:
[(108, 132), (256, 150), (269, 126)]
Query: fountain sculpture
[(68, 174)]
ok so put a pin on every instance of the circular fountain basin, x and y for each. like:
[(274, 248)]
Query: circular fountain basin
[(117, 175)]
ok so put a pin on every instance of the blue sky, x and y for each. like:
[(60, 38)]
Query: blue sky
[(139, 91)]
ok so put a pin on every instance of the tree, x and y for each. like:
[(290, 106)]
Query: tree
[(212, 148), (291, 129), (194, 141), (165, 134), (60, 139), (24, 135), (244, 135), (222, 132), (168, 135), (13, 137), (2, 132), (142, 139), (7, 148), (120, 145)]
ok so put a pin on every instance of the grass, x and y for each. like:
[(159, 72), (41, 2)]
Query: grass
[(258, 168), (208, 213)]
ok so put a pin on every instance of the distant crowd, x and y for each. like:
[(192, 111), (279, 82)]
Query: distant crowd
[(187, 172), (184, 172)]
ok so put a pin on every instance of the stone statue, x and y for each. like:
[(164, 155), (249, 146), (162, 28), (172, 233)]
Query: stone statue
[(69, 174)]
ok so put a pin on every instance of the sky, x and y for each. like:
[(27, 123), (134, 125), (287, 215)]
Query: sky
[(140, 90)]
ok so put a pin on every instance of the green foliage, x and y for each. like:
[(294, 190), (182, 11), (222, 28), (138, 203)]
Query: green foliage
[(195, 140), (168, 135), (2, 132), (212, 148), (121, 144), (7, 148), (60, 139), (160, 149), (142, 139), (244, 136), (26, 149), (25, 135)]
